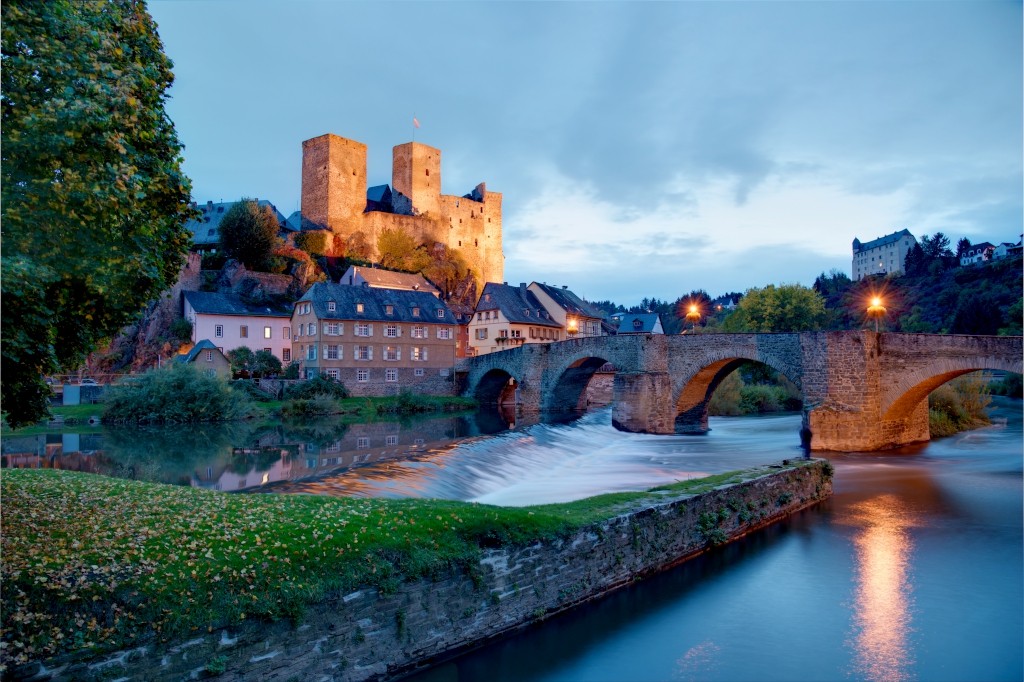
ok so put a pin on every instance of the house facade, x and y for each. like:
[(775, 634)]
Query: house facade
[(376, 341), (230, 322), (508, 317), (209, 359), (575, 315), (881, 256), (977, 253), (206, 228)]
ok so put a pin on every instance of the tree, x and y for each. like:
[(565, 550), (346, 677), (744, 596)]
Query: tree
[(446, 269), (783, 308), (265, 363), (92, 196), (242, 360), (398, 250), (248, 232), (962, 247)]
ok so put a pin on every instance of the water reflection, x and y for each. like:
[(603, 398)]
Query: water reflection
[(882, 604)]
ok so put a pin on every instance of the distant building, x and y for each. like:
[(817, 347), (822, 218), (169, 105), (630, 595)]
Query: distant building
[(376, 341), (638, 323), (206, 229), (207, 357), (576, 316), (977, 253), (881, 256), (1006, 249), (231, 322), (379, 278), (508, 317)]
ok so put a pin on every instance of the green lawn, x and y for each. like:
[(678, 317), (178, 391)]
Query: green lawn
[(95, 563)]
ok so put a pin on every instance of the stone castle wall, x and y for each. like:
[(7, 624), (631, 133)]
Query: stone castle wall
[(366, 635)]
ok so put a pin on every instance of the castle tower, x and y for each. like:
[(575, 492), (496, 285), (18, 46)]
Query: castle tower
[(416, 173), (333, 183)]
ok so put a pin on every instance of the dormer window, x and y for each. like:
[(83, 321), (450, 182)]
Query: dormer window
[(389, 310), (415, 312), (359, 307), (331, 307), (637, 324), (487, 297), (526, 311), (440, 313)]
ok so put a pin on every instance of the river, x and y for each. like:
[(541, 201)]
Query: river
[(912, 571)]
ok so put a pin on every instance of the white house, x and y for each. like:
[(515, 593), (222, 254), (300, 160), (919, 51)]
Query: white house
[(881, 256), (229, 323)]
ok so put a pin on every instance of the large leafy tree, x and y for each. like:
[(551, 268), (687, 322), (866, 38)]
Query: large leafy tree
[(92, 194), (249, 232), (783, 308)]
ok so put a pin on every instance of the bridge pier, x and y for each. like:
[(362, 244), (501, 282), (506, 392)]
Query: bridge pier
[(642, 402), (865, 430)]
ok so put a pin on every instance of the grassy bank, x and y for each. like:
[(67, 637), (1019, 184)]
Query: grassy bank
[(93, 564), (959, 405)]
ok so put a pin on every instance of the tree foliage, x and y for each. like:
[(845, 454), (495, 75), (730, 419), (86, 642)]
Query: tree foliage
[(249, 233), (93, 197), (249, 364), (178, 394), (783, 308)]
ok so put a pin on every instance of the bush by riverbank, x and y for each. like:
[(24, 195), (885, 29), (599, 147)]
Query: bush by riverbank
[(93, 564), (959, 405)]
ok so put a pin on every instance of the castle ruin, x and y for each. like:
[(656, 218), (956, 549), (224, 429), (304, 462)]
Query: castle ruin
[(335, 198)]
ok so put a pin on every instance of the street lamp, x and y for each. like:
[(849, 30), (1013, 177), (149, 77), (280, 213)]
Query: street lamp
[(572, 326), (693, 316), (876, 310)]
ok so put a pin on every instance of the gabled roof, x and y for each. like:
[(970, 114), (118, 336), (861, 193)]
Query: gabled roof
[(881, 241), (568, 301), (517, 304), (206, 230), (374, 301), (216, 303), (205, 344), (386, 279), (294, 222), (647, 323)]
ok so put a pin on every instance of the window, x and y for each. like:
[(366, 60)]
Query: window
[(311, 329), (392, 353), (415, 312), (443, 372), (243, 331), (286, 355), (391, 374), (364, 352), (218, 331), (333, 373), (444, 333), (209, 356), (267, 350), (481, 333), (287, 332), (418, 371), (362, 375), (526, 311), (331, 307), (517, 333), (332, 352), (332, 328), (364, 329), (305, 308), (391, 440), (363, 442), (391, 331), (502, 333), (311, 374), (419, 353), (389, 310), (359, 307), (419, 332), (311, 352), (440, 313)]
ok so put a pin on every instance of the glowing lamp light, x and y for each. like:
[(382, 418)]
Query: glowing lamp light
[(876, 310), (693, 317), (572, 325)]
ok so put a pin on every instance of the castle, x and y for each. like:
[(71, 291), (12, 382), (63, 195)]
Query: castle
[(335, 197)]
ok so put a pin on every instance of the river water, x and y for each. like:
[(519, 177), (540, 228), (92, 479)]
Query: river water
[(912, 571)]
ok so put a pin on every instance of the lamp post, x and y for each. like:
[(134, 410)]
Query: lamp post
[(693, 316), (571, 326), (876, 310)]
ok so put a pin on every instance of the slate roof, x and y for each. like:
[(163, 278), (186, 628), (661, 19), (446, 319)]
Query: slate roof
[(881, 241), (206, 230), (569, 301), (627, 323), (517, 304), (345, 299), (387, 279), (216, 303), (205, 344)]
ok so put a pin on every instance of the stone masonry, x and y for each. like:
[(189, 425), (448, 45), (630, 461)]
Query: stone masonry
[(366, 635), (862, 390)]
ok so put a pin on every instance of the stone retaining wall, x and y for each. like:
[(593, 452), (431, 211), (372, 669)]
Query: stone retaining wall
[(368, 636)]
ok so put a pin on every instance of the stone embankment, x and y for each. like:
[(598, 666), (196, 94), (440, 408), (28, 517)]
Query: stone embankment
[(367, 635)]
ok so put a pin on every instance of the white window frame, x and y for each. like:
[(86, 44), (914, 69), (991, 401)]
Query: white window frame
[(333, 352), (363, 329), (391, 374), (419, 332), (364, 353), (444, 333), (333, 373), (391, 331), (218, 331), (311, 351), (331, 306), (418, 354), (362, 375), (418, 371), (267, 332), (392, 353)]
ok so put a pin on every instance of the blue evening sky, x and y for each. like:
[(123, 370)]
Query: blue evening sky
[(642, 148)]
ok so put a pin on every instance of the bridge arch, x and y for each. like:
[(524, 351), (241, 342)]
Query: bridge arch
[(496, 387), (909, 391), (568, 389)]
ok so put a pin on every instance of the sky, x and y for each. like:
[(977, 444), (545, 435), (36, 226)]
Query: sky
[(643, 149)]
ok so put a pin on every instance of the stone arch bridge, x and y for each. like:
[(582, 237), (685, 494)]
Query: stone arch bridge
[(862, 390)]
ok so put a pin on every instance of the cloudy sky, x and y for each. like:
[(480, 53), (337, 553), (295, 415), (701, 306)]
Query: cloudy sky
[(642, 148)]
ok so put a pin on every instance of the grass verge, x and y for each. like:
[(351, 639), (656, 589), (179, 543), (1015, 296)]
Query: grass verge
[(92, 564)]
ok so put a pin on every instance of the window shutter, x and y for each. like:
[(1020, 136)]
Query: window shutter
[(370, 348), (399, 327), (369, 328), (341, 352), (424, 352), (399, 353), (325, 351)]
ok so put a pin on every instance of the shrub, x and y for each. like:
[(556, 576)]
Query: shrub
[(321, 385), (1012, 385), (249, 389), (314, 242), (176, 394), (316, 405), (181, 329), (725, 401), (291, 371), (959, 405)]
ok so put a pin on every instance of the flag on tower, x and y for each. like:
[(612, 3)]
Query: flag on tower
[(415, 121)]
